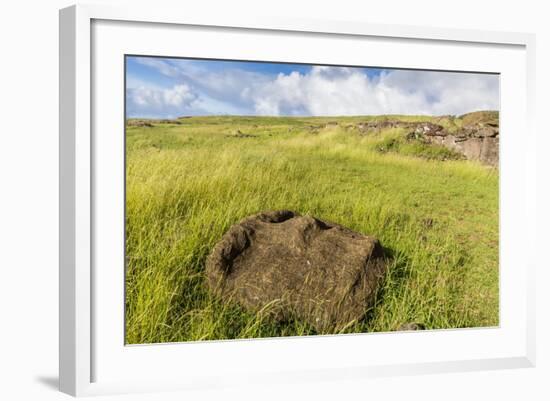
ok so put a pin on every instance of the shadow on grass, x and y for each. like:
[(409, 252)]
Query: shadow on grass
[(396, 276)]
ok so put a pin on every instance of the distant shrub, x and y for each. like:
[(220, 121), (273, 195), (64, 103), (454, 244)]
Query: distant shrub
[(480, 117), (416, 147)]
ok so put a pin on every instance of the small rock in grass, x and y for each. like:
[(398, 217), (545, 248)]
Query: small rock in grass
[(411, 327)]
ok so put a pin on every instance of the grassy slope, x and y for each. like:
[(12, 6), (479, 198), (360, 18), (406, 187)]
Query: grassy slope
[(187, 184)]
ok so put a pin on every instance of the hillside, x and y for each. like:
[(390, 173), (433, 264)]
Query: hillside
[(434, 211)]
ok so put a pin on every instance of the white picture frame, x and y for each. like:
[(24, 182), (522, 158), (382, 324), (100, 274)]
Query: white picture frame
[(92, 361)]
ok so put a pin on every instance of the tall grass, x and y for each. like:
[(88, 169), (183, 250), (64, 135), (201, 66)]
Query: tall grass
[(187, 184)]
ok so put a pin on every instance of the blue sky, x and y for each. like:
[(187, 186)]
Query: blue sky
[(171, 87)]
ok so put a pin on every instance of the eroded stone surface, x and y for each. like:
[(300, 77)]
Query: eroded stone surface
[(296, 266)]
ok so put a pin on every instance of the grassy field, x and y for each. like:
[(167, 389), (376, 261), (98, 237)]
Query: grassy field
[(187, 183)]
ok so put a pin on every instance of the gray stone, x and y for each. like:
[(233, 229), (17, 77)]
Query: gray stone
[(411, 327)]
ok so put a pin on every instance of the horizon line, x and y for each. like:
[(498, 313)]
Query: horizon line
[(311, 116)]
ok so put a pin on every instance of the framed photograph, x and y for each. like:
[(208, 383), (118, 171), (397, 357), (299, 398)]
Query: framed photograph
[(267, 200)]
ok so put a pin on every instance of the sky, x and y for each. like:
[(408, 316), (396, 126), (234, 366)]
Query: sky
[(173, 87)]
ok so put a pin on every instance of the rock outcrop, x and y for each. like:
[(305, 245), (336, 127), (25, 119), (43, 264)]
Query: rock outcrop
[(476, 140), (293, 266), (476, 136)]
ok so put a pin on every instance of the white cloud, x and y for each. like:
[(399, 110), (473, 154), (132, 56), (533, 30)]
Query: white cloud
[(178, 95), (158, 102), (348, 91), (223, 84)]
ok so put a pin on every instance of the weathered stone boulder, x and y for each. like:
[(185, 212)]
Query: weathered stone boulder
[(430, 129), (479, 143), (293, 266)]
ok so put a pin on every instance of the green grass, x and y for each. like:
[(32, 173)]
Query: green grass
[(396, 141), (188, 183)]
